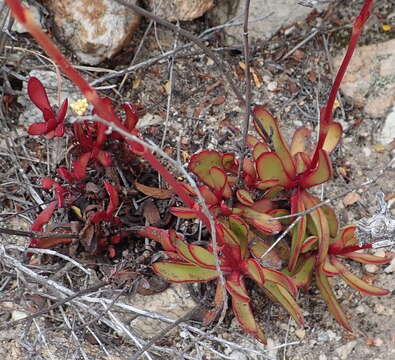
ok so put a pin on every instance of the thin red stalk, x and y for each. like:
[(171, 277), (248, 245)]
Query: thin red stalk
[(348, 249), (326, 115)]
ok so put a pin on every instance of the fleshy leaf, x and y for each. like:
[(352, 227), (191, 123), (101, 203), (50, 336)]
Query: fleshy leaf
[(79, 166), (266, 126), (184, 212), (38, 94), (254, 270), (355, 282), (299, 140), (183, 272), (259, 149), (262, 222), (244, 197), (165, 237), (281, 279), (201, 163), (366, 258), (208, 195), (271, 259), (202, 256), (285, 299), (299, 231), (303, 272), (270, 168), (321, 224), (156, 193), (44, 217), (237, 289), (309, 244), (320, 174), (220, 182), (328, 268), (244, 315), (334, 134), (333, 223), (330, 299)]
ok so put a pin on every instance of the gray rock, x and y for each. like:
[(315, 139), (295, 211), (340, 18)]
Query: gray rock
[(174, 302), (283, 13), (345, 350), (94, 30), (183, 10), (370, 80), (17, 27), (388, 131)]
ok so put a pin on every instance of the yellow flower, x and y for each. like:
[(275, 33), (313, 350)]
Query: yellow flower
[(79, 106)]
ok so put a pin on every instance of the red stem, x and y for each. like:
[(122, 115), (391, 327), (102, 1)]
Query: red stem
[(326, 113)]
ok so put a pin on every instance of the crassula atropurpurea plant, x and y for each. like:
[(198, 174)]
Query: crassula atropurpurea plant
[(276, 179)]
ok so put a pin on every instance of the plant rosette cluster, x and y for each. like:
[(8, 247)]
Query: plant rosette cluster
[(91, 141)]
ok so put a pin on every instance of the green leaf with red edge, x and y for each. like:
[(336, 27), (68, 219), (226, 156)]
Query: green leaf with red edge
[(244, 197), (240, 229), (237, 289), (180, 272), (280, 279), (330, 299), (302, 162), (328, 268), (183, 250), (271, 259), (263, 205), (303, 273), (261, 221), (320, 174), (228, 162), (184, 212), (220, 181), (321, 224), (279, 213), (249, 169), (164, 237), (259, 149), (334, 134), (348, 237), (299, 231), (273, 192), (333, 223), (208, 195), (202, 256), (254, 271), (245, 317), (271, 171), (355, 282), (298, 143), (266, 125), (201, 163), (229, 237), (366, 258), (281, 295), (309, 244), (251, 141)]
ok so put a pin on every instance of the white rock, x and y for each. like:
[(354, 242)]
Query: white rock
[(183, 10), (371, 268), (345, 350), (391, 267), (174, 302), (149, 120), (282, 14), (94, 30), (388, 132), (322, 357), (300, 333), (272, 86), (238, 355), (18, 315)]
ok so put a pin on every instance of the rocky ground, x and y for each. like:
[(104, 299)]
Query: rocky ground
[(292, 69)]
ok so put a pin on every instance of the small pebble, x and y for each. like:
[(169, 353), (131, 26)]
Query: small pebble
[(272, 86), (300, 333), (345, 350), (371, 268), (18, 315), (391, 267)]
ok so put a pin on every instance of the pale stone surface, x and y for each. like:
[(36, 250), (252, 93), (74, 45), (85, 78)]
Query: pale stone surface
[(388, 131), (345, 350), (370, 78), (17, 27), (282, 13), (183, 10), (174, 302), (94, 30)]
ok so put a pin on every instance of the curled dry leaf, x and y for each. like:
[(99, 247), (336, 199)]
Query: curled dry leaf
[(151, 213), (154, 192)]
